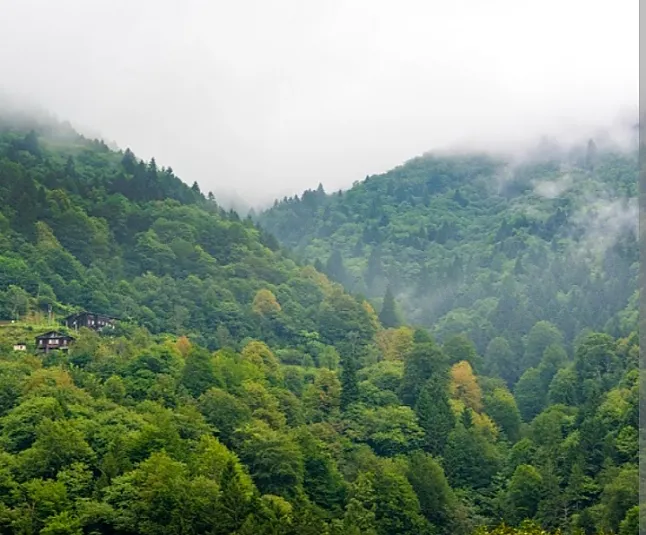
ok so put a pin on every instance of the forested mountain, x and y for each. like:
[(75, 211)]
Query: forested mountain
[(477, 244), (87, 227), (243, 392)]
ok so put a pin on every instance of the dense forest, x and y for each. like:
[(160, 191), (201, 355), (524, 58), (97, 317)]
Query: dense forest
[(483, 245), (245, 391)]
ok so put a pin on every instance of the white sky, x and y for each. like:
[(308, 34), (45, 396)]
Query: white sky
[(267, 98)]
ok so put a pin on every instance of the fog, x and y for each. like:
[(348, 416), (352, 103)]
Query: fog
[(264, 99)]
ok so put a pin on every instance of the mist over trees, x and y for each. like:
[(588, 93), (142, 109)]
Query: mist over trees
[(456, 360), (475, 244)]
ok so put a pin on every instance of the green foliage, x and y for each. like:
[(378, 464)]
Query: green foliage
[(541, 336), (349, 386), (460, 348), (198, 374), (524, 492), (388, 316), (435, 415), (389, 430), (244, 393), (530, 394), (471, 459), (424, 361), (474, 244), (502, 408), (437, 501)]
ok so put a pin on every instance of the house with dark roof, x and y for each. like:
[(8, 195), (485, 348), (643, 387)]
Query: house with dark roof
[(90, 320), (52, 341)]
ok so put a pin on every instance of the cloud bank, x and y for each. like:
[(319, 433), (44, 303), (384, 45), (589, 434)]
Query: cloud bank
[(262, 99)]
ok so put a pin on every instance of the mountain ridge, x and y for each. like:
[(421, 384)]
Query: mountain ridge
[(424, 208), (246, 392)]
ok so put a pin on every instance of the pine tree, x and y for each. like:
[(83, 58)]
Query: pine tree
[(31, 144), (388, 315), (129, 161), (349, 384), (466, 418), (375, 267), (234, 504), (335, 268), (70, 169), (435, 415)]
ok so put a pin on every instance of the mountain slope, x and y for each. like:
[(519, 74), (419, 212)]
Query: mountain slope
[(475, 244), (84, 226), (242, 393)]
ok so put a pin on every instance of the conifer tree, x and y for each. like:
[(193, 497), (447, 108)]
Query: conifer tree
[(334, 267), (349, 385), (435, 415), (388, 315)]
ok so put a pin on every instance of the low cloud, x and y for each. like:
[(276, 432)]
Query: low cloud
[(550, 189), (604, 221), (266, 99)]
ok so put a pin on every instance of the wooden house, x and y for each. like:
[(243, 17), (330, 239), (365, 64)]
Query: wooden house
[(53, 340), (90, 320), (20, 346)]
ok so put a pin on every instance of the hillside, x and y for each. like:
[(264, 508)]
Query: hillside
[(475, 244), (245, 393), (86, 227)]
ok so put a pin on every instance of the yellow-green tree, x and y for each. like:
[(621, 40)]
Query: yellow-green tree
[(265, 303), (395, 344), (464, 385)]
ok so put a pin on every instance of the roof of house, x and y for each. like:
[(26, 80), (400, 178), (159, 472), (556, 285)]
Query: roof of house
[(77, 314), (53, 334)]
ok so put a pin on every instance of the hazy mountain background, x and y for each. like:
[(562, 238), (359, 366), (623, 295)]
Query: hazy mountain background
[(265, 100)]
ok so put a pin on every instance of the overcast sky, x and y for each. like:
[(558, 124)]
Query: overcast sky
[(269, 97)]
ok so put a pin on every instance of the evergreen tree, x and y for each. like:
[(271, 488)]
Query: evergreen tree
[(500, 361), (524, 492), (334, 267), (435, 415), (530, 394), (436, 498), (234, 505), (388, 315), (349, 383), (31, 144), (375, 268)]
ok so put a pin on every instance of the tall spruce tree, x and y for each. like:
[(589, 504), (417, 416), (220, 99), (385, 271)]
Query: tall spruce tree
[(388, 315), (349, 382), (334, 267), (435, 415)]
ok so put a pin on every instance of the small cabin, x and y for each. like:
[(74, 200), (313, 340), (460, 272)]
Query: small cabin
[(53, 340), (20, 346), (90, 320)]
